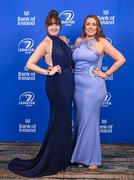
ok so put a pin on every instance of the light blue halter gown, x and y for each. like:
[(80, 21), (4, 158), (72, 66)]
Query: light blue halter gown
[(90, 92)]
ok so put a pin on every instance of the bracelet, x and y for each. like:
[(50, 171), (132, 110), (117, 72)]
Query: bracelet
[(48, 73)]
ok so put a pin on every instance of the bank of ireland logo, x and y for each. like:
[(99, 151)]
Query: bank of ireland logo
[(107, 101), (26, 19), (106, 18), (27, 99), (26, 13), (26, 75), (26, 45), (106, 11), (106, 127), (27, 126), (67, 17)]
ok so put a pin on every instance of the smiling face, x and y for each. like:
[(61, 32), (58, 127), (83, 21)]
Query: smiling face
[(53, 28), (90, 27), (53, 24)]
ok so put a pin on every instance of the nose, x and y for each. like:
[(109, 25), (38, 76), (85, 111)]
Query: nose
[(91, 26)]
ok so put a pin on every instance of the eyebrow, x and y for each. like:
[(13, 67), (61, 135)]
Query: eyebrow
[(92, 22)]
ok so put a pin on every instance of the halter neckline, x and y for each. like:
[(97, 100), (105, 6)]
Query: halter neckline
[(52, 37), (89, 38)]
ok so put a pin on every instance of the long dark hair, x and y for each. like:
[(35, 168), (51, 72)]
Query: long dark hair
[(99, 32)]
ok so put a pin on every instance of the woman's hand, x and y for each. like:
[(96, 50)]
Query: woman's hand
[(50, 68), (99, 73), (54, 70)]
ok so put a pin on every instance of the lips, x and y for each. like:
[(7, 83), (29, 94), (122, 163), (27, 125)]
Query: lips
[(54, 32), (91, 31)]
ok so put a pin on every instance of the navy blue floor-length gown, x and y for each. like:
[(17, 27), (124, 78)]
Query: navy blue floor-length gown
[(56, 150)]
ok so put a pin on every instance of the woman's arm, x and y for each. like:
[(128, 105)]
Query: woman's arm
[(35, 57), (116, 56)]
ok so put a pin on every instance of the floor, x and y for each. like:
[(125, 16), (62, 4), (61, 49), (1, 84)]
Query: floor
[(118, 162)]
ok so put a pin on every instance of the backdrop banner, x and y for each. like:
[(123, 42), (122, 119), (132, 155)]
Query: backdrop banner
[(24, 105)]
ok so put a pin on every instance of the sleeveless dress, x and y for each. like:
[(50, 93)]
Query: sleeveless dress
[(89, 94), (56, 150)]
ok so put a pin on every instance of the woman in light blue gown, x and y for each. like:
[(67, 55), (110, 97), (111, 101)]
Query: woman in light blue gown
[(90, 90)]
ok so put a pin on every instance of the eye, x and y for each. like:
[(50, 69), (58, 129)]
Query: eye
[(94, 24)]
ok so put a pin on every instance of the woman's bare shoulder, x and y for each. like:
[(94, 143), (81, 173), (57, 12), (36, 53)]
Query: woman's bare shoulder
[(64, 38), (103, 40), (77, 41), (43, 45), (46, 41)]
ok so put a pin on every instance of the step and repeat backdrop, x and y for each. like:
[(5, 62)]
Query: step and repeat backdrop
[(23, 104)]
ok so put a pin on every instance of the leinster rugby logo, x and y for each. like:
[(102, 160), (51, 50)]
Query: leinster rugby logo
[(110, 40), (67, 17), (25, 45), (107, 102), (27, 99)]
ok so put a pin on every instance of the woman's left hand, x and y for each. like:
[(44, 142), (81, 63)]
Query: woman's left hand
[(99, 73)]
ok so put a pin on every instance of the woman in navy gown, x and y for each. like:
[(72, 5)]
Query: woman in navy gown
[(56, 150), (90, 90)]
